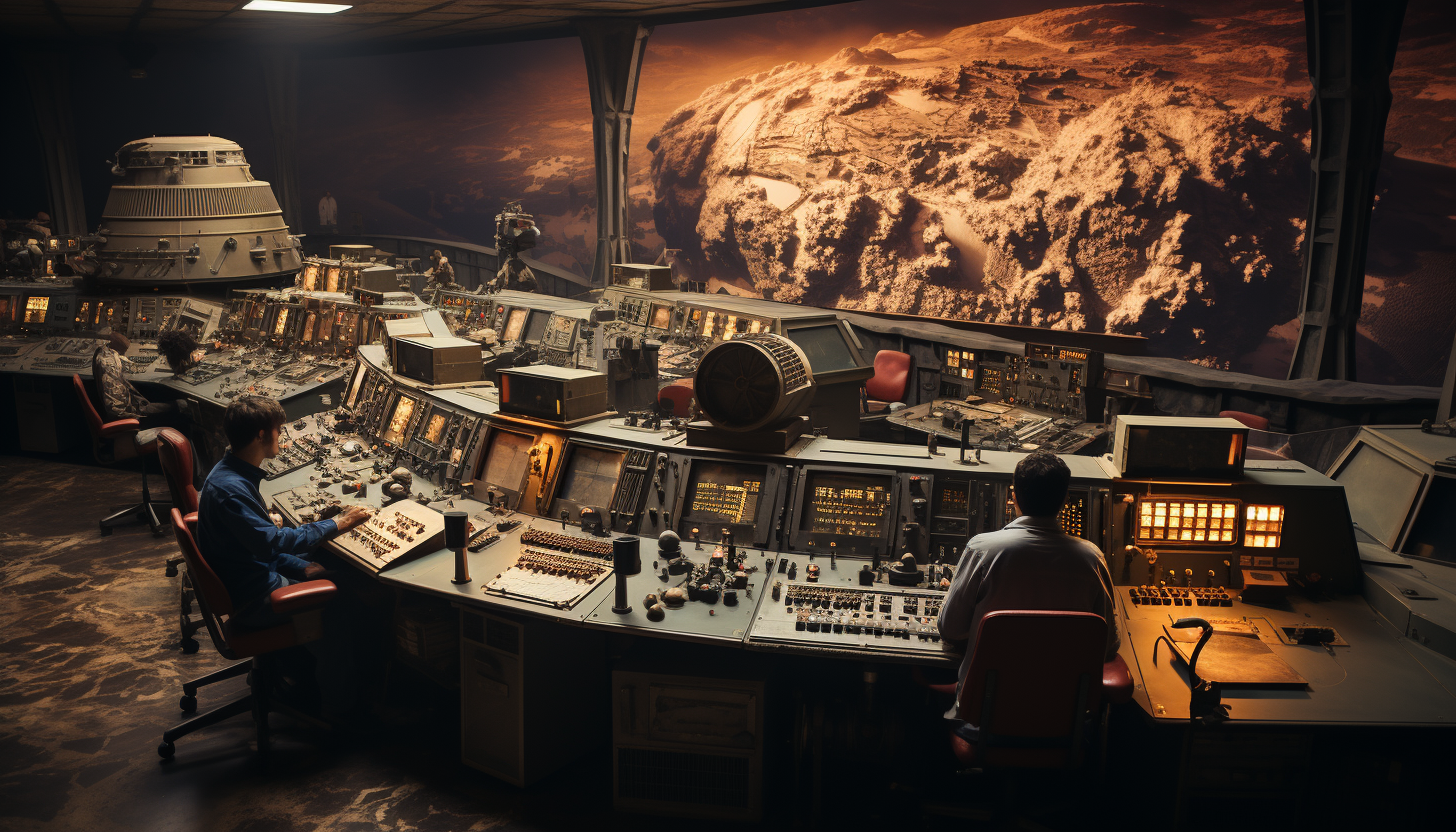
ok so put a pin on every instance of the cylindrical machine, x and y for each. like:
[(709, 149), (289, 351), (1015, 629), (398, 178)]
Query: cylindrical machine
[(626, 560), (187, 210), (754, 382)]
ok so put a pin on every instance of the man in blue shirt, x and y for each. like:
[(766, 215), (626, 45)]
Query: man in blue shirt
[(250, 554)]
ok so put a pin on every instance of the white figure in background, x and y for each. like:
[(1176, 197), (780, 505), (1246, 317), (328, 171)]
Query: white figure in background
[(329, 213)]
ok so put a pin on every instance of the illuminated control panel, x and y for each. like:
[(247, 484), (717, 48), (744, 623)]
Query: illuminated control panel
[(1187, 521), (878, 618)]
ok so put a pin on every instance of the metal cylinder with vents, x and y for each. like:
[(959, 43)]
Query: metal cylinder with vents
[(188, 210), (754, 382)]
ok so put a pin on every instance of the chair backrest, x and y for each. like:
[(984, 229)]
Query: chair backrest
[(176, 455), (1035, 677), (211, 593), (1252, 421), (93, 418), (891, 378), (681, 397)]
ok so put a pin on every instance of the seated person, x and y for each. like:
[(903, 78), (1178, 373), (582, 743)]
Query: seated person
[(180, 349), (1028, 565), (252, 556), (119, 397)]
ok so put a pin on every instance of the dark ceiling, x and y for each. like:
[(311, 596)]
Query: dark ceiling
[(370, 26)]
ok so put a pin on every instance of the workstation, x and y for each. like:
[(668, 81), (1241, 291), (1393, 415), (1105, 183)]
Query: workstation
[(872, 439)]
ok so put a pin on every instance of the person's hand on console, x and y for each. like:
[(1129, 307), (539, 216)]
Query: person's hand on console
[(353, 516)]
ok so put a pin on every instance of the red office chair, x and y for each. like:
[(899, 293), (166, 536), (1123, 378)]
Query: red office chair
[(680, 395), (889, 383), (175, 454), (1252, 421), (115, 441), (302, 601)]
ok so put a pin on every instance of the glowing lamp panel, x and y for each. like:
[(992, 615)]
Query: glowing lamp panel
[(1187, 521), (1263, 526)]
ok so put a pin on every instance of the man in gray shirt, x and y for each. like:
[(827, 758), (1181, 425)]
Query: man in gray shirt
[(1028, 565)]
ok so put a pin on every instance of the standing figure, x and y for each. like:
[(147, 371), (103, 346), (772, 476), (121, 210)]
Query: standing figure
[(329, 213)]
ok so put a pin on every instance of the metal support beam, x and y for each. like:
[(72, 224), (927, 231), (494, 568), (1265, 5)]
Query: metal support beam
[(280, 75), (1351, 47), (613, 48), (48, 77)]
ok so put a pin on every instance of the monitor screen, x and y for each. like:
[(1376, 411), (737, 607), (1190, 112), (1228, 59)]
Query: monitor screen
[(952, 498), (403, 410), (723, 492), (854, 505), (359, 372), (435, 426), (1433, 534), (661, 317), (331, 283), (591, 476), (310, 277), (507, 459), (825, 347), (515, 323), (536, 325), (1380, 490)]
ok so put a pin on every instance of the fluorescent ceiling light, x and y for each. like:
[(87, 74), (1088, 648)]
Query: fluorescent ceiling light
[(301, 8)]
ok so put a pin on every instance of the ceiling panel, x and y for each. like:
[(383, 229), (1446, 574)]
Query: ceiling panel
[(372, 24)]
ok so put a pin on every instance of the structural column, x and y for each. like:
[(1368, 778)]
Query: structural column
[(280, 76), (1352, 46), (49, 80), (613, 48)]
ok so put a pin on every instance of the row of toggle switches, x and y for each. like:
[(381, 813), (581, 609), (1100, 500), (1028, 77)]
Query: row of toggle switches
[(1181, 596)]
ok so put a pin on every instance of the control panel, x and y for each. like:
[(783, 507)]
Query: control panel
[(872, 618)]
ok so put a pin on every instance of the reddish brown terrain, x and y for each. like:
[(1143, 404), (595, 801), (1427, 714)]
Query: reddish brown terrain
[(1130, 167)]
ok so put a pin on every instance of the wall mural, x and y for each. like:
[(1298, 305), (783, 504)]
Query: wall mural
[(1135, 168), (1138, 168)]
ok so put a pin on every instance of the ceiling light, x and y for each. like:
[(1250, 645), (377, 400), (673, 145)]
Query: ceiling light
[(301, 8)]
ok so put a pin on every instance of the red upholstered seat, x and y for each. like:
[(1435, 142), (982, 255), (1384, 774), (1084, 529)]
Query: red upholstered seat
[(891, 378), (234, 641), (1252, 421), (102, 431), (1034, 686), (175, 452), (680, 394)]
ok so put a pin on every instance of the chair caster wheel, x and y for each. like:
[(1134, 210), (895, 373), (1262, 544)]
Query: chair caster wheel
[(189, 646), (188, 704), (171, 570), (166, 750), (105, 531)]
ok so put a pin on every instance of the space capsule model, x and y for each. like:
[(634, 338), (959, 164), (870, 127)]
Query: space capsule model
[(188, 210)]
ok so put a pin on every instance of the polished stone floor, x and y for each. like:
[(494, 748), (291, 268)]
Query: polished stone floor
[(90, 675)]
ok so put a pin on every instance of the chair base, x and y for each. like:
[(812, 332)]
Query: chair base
[(144, 512), (258, 700)]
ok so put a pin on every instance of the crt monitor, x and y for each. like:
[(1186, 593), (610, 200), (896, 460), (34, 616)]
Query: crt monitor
[(661, 317), (432, 430), (399, 420), (825, 346), (536, 325), (1381, 491), (515, 325), (588, 478), (721, 495), (504, 466), (360, 369), (844, 511)]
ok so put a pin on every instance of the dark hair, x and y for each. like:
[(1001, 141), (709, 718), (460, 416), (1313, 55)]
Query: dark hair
[(248, 416), (118, 341), (177, 346), (1041, 481)]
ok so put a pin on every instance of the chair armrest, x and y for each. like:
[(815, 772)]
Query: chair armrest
[(917, 675), (120, 426), (1116, 681), (309, 595), (190, 518)]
